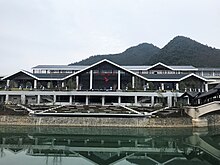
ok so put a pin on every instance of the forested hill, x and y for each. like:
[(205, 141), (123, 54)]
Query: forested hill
[(179, 51), (185, 51), (136, 55)]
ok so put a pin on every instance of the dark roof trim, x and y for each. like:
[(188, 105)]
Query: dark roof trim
[(110, 62)]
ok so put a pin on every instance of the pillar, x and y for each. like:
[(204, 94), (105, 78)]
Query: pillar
[(87, 100), (71, 100), (23, 99), (152, 101), (54, 98), (162, 86), (188, 101), (6, 98), (35, 84), (62, 84), (135, 99), (103, 100), (8, 83), (90, 84), (206, 87), (77, 82), (119, 80), (38, 99), (177, 86), (119, 99), (169, 101), (148, 86), (133, 82)]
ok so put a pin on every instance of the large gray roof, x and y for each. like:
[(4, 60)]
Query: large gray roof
[(50, 76), (208, 69), (79, 67), (183, 67), (61, 67), (164, 76), (211, 92)]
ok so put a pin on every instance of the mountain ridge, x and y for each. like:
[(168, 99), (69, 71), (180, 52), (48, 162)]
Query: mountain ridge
[(137, 54), (179, 51)]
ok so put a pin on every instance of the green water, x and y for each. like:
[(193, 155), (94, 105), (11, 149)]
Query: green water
[(85, 146)]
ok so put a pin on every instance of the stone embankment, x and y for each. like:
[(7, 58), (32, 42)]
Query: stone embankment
[(106, 122)]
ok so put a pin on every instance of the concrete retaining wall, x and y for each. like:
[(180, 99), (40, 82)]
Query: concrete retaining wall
[(107, 122), (90, 121)]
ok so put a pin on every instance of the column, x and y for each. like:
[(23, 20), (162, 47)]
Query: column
[(206, 87), (54, 98), (152, 101), (103, 100), (133, 82), (119, 80), (8, 83), (38, 99), (119, 99), (87, 100), (62, 84), (162, 86), (77, 82), (177, 86), (199, 101), (6, 98), (23, 99), (35, 84), (91, 79), (135, 100), (71, 100), (169, 101), (188, 101), (147, 86)]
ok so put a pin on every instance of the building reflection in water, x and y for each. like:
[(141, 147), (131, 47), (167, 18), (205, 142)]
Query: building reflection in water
[(104, 146)]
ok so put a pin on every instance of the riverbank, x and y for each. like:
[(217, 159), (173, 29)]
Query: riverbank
[(213, 120)]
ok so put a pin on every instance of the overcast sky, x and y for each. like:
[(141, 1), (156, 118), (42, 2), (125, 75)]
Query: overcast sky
[(36, 32)]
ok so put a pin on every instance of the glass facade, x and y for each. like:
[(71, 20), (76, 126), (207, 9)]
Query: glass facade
[(105, 77)]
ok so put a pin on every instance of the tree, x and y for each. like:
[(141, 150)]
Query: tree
[(13, 84), (71, 84)]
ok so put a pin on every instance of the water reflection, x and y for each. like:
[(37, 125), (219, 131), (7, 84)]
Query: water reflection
[(104, 146)]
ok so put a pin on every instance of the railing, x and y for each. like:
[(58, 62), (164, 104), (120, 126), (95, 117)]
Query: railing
[(95, 90)]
